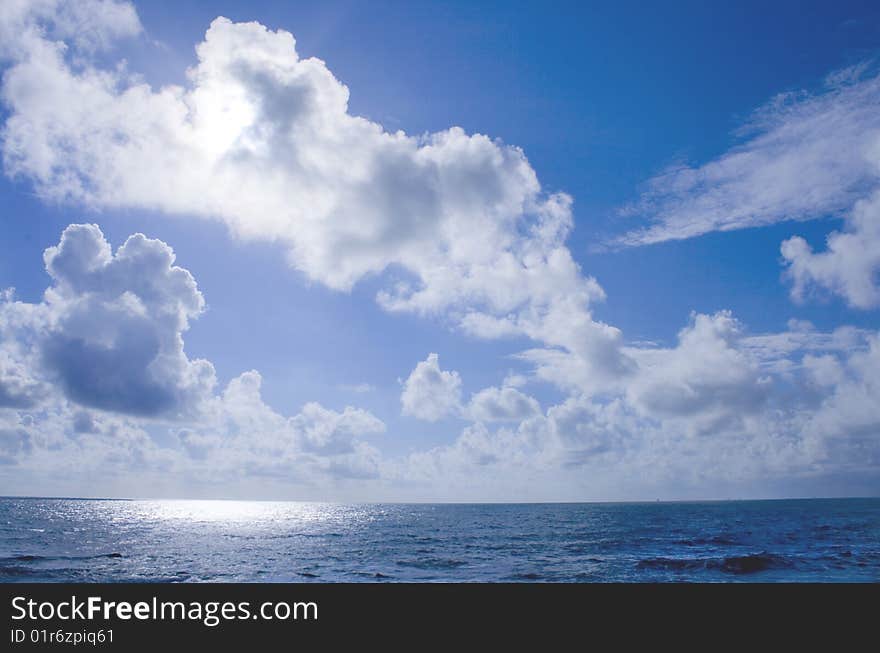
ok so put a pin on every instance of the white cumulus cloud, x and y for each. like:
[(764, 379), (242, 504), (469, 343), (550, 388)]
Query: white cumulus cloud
[(263, 140), (90, 375), (502, 404), (430, 393), (850, 264), (109, 333)]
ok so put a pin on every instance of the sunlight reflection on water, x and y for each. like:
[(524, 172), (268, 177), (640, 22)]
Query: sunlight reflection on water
[(237, 512)]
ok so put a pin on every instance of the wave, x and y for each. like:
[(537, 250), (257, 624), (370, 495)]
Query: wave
[(722, 540), (432, 563), (26, 557), (22, 558), (36, 574), (530, 575), (744, 564), (12, 572), (369, 574)]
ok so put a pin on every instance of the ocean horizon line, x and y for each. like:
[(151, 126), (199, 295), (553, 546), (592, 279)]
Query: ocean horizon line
[(448, 502)]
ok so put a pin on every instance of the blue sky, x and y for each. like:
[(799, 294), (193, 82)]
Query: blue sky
[(617, 106)]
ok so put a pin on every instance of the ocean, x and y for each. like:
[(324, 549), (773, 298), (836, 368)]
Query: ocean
[(85, 540)]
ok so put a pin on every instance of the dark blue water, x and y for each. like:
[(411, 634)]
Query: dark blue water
[(84, 540)]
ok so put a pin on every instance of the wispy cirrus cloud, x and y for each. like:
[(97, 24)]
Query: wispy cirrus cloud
[(802, 156)]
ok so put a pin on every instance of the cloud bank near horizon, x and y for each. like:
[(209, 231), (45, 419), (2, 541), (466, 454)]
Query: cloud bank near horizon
[(95, 380)]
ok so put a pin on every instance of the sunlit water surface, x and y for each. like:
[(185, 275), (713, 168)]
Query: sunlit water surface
[(159, 541)]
